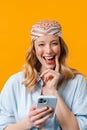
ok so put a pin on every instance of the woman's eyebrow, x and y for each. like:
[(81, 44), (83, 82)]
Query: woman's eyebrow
[(40, 41), (54, 41)]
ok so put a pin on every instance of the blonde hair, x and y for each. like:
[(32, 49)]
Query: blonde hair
[(33, 66)]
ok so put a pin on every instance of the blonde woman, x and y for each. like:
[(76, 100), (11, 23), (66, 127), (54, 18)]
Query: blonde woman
[(45, 73)]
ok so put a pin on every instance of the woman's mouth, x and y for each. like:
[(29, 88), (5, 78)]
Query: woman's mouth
[(49, 59)]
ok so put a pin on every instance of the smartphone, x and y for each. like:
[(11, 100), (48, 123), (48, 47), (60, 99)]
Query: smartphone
[(49, 101)]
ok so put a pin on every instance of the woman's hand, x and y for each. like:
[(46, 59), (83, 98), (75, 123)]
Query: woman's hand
[(37, 117), (50, 78)]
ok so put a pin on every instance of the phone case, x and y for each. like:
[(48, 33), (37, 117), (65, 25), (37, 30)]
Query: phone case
[(49, 101)]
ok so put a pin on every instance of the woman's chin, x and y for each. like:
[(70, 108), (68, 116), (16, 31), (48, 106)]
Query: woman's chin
[(50, 67)]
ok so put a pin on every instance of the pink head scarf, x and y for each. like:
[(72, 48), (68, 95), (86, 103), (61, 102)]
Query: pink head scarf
[(46, 27)]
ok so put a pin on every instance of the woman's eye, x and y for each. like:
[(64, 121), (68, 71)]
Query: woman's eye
[(41, 44), (54, 43)]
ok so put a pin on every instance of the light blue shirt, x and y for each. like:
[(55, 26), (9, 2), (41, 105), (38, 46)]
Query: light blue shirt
[(16, 101)]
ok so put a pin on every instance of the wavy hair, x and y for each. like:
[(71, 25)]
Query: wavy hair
[(32, 66)]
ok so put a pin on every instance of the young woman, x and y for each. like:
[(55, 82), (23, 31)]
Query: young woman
[(45, 73)]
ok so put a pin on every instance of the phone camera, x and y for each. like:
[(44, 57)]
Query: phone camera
[(41, 100)]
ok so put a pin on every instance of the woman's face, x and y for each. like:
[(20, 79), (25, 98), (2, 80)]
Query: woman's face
[(47, 48)]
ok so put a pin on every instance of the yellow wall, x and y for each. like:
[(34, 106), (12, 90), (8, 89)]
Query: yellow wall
[(16, 19)]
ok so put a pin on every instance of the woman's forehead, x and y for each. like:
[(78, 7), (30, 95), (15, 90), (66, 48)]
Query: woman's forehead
[(46, 38)]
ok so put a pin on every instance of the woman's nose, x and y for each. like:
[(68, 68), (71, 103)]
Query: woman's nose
[(48, 49)]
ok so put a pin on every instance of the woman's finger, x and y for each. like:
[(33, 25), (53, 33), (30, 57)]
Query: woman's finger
[(57, 64), (45, 72), (32, 108), (42, 120)]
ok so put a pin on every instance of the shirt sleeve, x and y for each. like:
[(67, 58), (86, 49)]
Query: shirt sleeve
[(79, 107), (6, 104)]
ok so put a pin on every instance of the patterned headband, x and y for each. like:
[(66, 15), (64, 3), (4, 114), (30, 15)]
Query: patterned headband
[(46, 27)]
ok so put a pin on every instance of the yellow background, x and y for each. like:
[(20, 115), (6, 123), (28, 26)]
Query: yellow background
[(16, 19)]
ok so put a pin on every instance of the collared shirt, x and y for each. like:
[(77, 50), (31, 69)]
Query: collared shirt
[(16, 101)]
